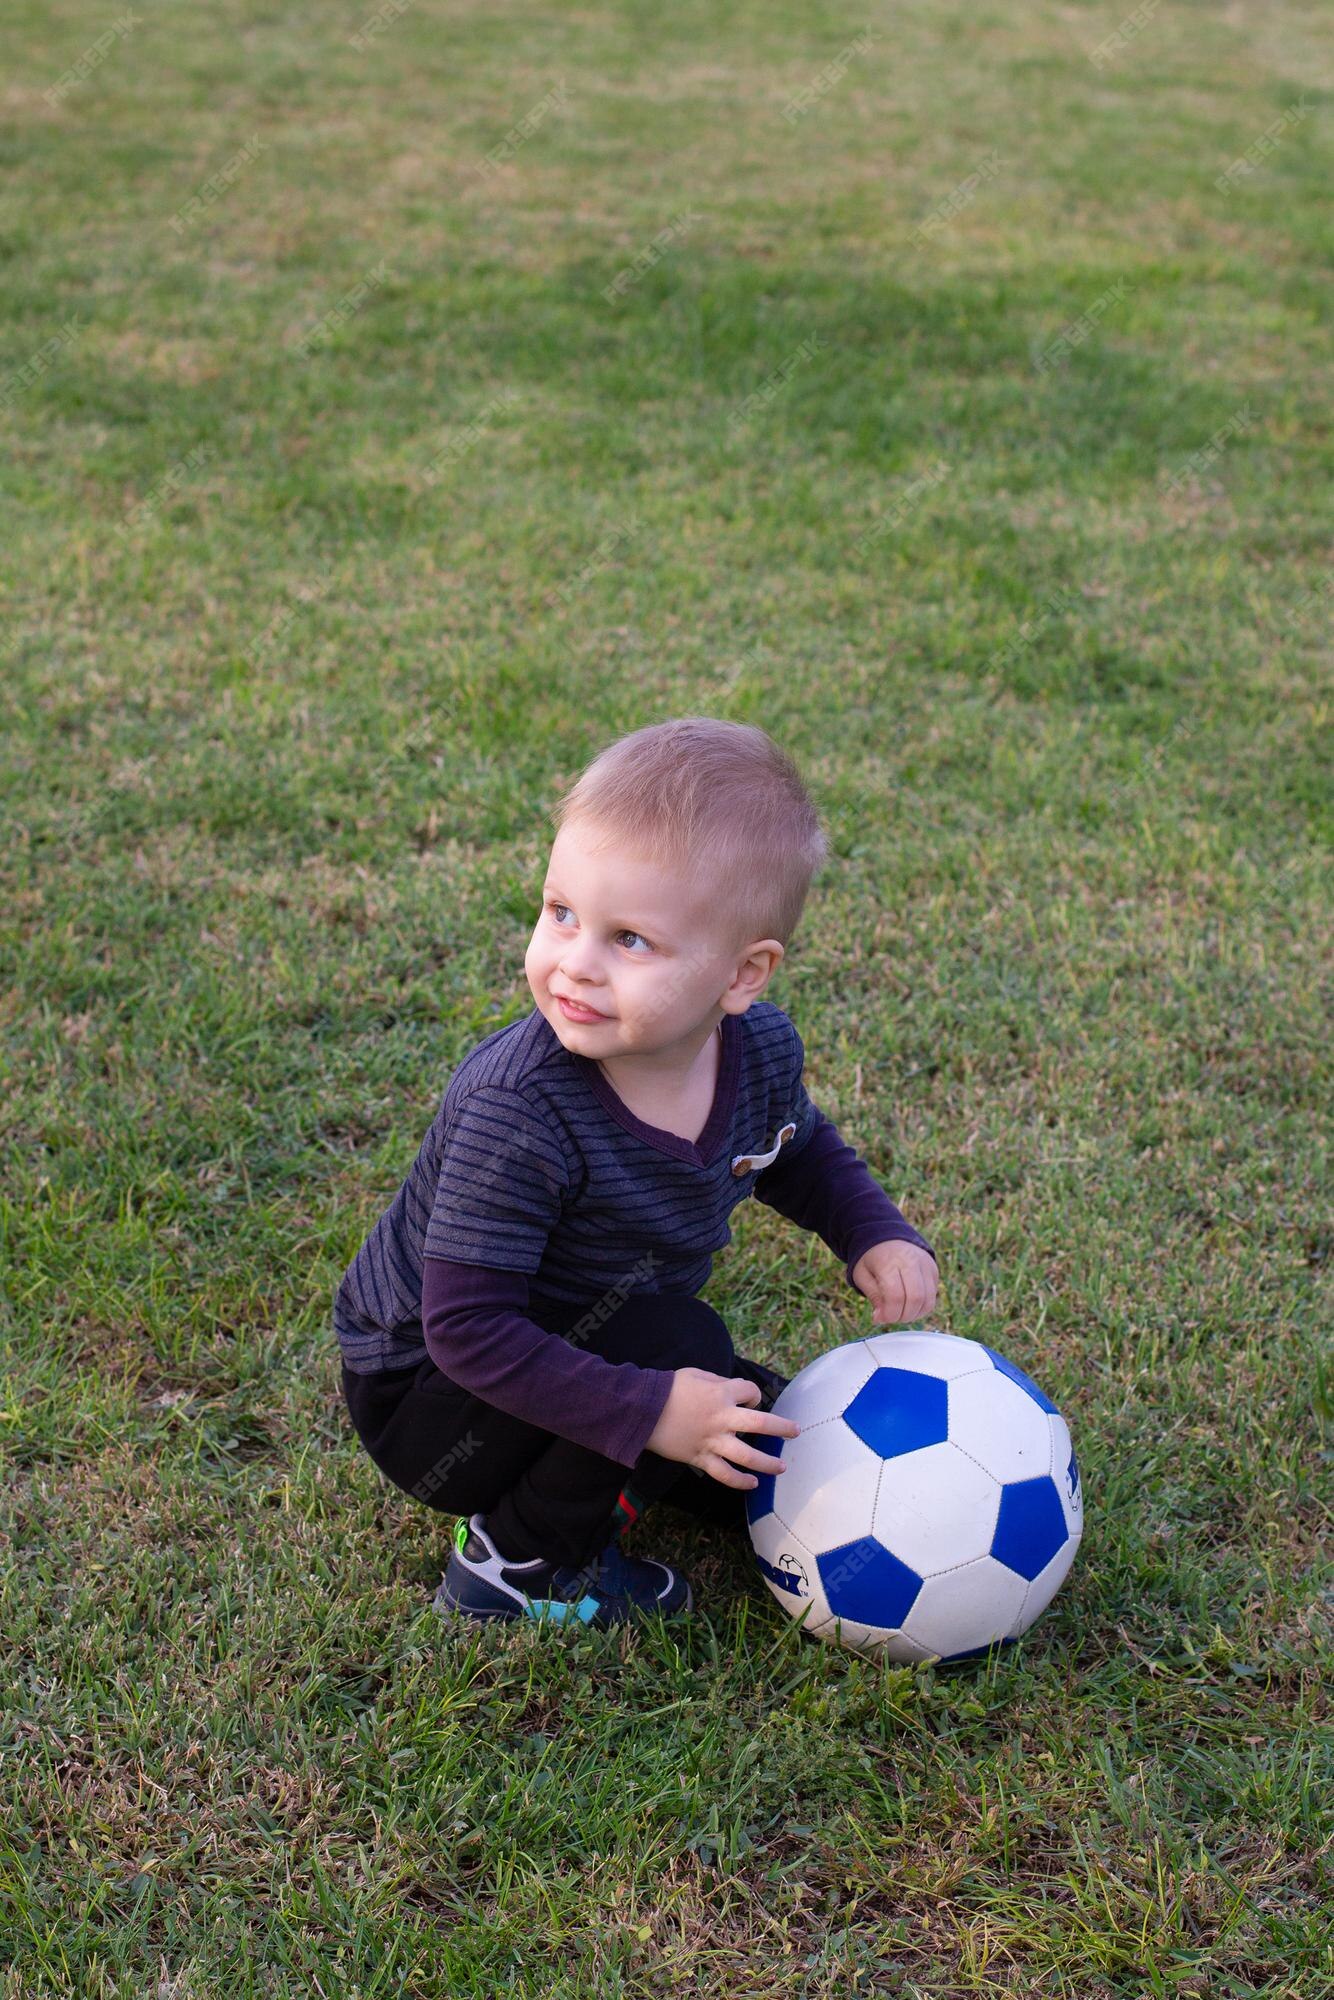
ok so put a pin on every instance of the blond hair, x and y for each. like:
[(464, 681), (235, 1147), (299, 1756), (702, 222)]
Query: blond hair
[(720, 803)]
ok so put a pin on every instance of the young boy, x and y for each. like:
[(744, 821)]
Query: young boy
[(522, 1341)]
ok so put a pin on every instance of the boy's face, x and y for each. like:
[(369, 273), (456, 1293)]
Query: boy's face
[(620, 936)]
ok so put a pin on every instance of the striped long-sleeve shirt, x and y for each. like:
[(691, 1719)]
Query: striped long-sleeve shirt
[(536, 1177)]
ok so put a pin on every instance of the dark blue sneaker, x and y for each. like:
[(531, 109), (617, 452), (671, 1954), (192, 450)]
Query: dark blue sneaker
[(611, 1589)]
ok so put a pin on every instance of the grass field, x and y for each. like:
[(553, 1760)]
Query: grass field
[(393, 409)]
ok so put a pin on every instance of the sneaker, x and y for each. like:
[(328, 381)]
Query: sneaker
[(611, 1589)]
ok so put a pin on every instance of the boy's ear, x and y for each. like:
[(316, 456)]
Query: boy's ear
[(756, 969)]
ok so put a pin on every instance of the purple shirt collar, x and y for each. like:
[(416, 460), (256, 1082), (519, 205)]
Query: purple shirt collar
[(703, 1151)]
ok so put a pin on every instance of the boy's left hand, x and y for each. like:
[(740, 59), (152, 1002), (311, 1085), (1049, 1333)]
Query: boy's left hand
[(899, 1279)]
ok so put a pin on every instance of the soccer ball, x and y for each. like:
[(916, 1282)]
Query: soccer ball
[(931, 1505)]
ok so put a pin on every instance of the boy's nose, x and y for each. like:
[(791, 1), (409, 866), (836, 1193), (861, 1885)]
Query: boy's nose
[(579, 968)]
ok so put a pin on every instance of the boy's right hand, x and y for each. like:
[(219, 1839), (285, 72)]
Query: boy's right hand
[(700, 1421)]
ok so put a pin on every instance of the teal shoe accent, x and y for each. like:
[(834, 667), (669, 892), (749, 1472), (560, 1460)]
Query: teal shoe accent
[(561, 1614)]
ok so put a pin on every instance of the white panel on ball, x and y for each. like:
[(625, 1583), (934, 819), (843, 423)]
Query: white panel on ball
[(825, 1387), (828, 1485), (935, 1508), (942, 1354), (874, 1641), (966, 1607), (790, 1569), (998, 1423)]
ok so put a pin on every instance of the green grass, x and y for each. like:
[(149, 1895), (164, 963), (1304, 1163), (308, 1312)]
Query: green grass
[(277, 760)]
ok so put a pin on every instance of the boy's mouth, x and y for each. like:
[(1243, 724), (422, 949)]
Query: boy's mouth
[(573, 1012)]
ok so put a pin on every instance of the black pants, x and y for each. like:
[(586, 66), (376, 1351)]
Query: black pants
[(541, 1494)]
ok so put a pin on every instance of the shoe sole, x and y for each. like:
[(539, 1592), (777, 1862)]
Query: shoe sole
[(447, 1608)]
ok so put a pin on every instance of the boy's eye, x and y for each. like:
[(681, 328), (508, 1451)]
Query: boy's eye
[(556, 908)]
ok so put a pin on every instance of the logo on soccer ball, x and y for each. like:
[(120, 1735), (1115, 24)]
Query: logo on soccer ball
[(787, 1575)]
